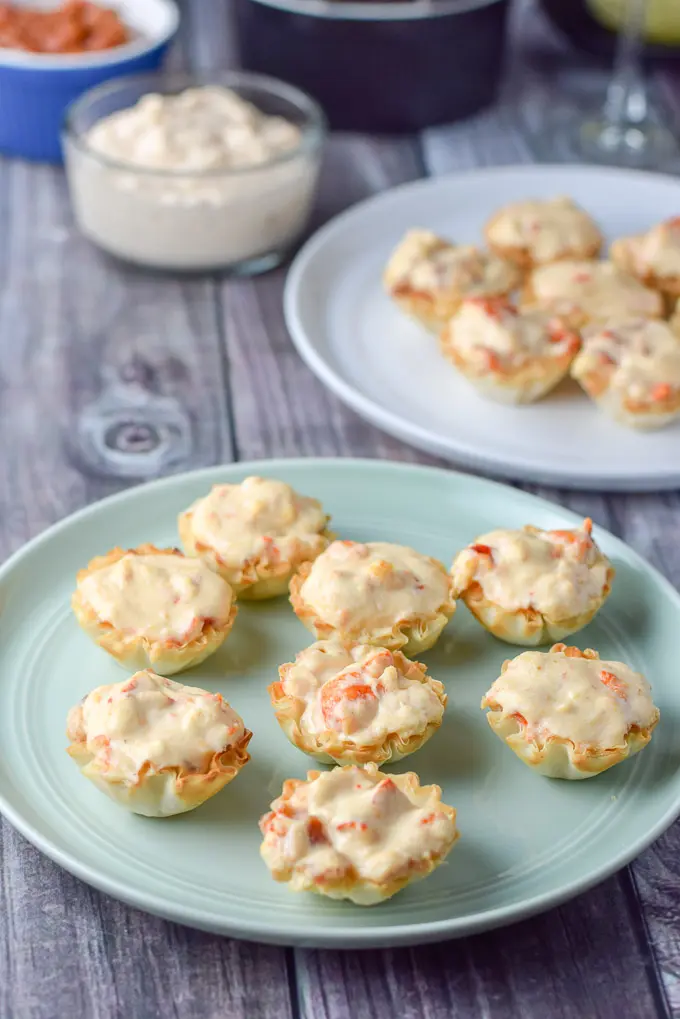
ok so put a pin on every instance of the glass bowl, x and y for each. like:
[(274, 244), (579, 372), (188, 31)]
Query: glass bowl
[(243, 219)]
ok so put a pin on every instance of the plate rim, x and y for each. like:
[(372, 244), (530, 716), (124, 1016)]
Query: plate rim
[(460, 454), (316, 935)]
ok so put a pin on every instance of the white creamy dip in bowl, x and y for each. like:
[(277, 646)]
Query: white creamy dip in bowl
[(194, 173)]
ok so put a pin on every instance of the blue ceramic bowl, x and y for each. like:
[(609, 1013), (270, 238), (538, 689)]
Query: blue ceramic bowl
[(37, 88)]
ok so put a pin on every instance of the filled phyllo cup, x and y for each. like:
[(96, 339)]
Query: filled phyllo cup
[(653, 258), (509, 355), (255, 534), (355, 703), (356, 833), (374, 593), (631, 369), (155, 746), (428, 277), (537, 231), (153, 608), (568, 714), (533, 586)]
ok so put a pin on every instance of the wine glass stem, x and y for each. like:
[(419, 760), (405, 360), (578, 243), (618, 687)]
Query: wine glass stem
[(626, 102)]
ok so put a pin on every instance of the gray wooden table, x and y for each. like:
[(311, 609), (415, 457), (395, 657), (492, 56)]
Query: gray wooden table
[(70, 322)]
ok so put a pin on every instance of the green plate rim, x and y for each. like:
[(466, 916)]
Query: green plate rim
[(317, 935)]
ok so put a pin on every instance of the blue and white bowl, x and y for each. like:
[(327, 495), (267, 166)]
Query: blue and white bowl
[(37, 88)]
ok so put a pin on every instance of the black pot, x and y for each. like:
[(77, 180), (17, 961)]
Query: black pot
[(384, 66)]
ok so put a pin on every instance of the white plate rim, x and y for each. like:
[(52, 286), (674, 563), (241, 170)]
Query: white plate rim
[(460, 454), (389, 935)]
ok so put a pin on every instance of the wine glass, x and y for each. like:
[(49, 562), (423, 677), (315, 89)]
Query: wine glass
[(630, 128)]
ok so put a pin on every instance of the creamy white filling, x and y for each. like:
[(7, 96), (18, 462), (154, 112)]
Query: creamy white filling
[(206, 128), (480, 328), (557, 573), (148, 719), (356, 820), (360, 692), (641, 358), (258, 518), (428, 263), (159, 597), (201, 179), (374, 586), (657, 251), (599, 289), (593, 703), (548, 229)]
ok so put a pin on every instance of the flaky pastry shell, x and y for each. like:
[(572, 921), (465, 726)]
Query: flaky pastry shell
[(555, 756), (169, 790), (329, 746), (528, 626), (256, 578), (410, 636), (430, 309), (351, 885), (136, 653), (525, 384), (668, 286), (639, 414)]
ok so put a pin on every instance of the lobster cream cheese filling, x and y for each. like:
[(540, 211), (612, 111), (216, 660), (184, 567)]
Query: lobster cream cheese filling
[(546, 229), (166, 597), (557, 573), (150, 722), (597, 290), (585, 700), (353, 826), (425, 262), (362, 693), (638, 359), (374, 586), (495, 335), (260, 517)]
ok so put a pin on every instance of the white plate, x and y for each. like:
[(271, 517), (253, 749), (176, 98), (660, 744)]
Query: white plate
[(389, 370)]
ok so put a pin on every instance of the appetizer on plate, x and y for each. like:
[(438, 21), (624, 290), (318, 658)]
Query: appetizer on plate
[(581, 292), (533, 586), (255, 534), (153, 607), (535, 231), (354, 833), (155, 746), (653, 257), (374, 593), (631, 369), (428, 277), (509, 355), (355, 703), (569, 715)]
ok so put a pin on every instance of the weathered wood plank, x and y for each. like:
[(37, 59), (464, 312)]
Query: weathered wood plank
[(279, 407), (73, 326), (649, 523), (567, 964), (73, 952)]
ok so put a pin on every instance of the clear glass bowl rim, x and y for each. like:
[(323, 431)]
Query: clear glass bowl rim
[(313, 126)]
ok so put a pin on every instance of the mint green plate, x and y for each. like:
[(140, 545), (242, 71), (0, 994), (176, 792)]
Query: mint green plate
[(527, 843)]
